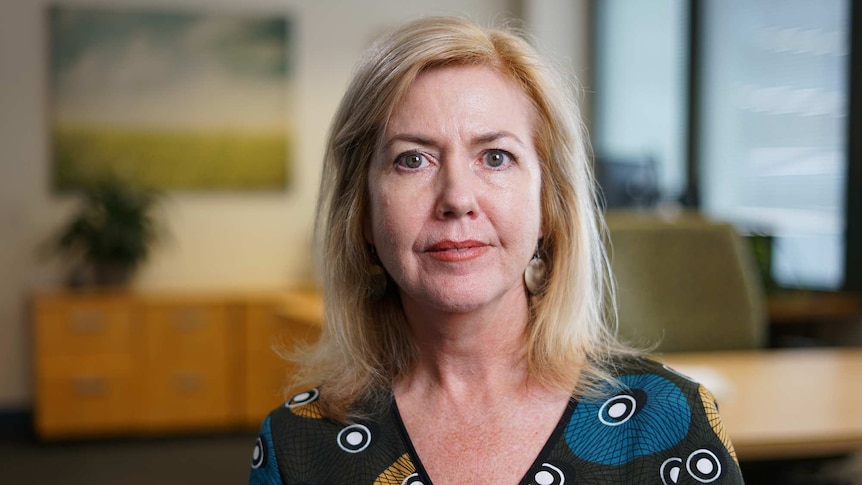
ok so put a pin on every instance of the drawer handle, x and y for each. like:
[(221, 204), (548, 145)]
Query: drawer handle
[(90, 386), (188, 321), (188, 382), (88, 322)]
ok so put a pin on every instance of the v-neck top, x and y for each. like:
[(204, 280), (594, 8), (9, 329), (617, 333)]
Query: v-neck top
[(658, 427)]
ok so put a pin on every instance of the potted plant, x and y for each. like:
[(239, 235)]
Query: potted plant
[(110, 235)]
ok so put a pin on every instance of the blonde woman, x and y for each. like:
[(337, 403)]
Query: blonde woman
[(466, 337)]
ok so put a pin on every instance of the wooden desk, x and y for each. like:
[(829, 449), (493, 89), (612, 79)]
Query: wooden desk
[(810, 307), (783, 403)]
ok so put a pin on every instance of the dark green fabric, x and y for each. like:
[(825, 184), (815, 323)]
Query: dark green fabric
[(660, 427)]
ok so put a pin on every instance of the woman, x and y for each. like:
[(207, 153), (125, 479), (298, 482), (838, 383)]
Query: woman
[(464, 281)]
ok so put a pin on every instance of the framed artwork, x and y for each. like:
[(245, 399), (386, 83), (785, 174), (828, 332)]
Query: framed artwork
[(173, 100)]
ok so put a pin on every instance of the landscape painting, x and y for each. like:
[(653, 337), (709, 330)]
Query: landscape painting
[(172, 100)]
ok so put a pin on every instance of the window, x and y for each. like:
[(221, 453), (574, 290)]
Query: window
[(773, 147), (762, 123), (641, 65)]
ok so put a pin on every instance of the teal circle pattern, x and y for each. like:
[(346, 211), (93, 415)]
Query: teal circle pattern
[(659, 421)]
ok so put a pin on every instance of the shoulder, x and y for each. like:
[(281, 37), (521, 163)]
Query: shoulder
[(656, 420), (305, 446), (287, 424), (674, 395), (640, 364), (652, 386), (647, 373), (264, 466)]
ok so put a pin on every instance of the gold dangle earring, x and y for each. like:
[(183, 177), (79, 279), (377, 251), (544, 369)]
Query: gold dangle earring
[(377, 279), (536, 272)]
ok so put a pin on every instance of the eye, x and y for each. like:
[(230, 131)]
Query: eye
[(497, 158), (411, 160)]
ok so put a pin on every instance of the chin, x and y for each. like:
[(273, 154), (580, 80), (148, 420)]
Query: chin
[(457, 298), (441, 301)]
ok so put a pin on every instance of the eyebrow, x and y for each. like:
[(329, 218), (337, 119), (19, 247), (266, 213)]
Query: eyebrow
[(419, 140), (479, 140), (496, 135)]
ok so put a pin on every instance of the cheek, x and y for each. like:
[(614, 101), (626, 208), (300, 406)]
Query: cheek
[(536, 198), (391, 222), (527, 203), (379, 217)]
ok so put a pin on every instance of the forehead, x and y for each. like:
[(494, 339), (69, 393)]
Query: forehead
[(458, 94)]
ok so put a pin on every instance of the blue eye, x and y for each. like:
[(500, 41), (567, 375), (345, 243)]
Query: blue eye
[(411, 160), (497, 158)]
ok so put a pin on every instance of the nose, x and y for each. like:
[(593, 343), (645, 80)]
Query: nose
[(457, 191)]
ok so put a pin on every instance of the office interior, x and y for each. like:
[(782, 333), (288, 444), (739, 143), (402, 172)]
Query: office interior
[(661, 87)]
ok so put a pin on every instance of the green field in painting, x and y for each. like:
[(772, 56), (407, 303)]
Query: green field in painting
[(175, 159)]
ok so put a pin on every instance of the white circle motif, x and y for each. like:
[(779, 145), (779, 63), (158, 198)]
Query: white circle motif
[(617, 410), (544, 478), (354, 438), (257, 457), (714, 468), (303, 398), (673, 472), (704, 466), (613, 408), (409, 481)]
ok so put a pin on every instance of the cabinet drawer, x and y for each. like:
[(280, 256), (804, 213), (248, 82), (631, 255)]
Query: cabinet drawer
[(86, 396), (126, 363), (83, 328), (188, 397), (189, 365), (186, 333)]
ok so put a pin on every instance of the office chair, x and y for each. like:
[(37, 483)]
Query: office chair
[(684, 283)]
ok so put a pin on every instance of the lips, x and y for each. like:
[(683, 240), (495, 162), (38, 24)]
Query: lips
[(453, 251), (448, 245)]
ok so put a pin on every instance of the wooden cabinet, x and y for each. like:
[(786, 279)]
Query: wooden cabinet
[(121, 364), (85, 365), (188, 362), (272, 330)]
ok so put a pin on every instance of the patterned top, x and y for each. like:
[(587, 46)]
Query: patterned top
[(659, 428)]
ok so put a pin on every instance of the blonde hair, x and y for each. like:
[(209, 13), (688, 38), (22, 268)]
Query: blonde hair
[(366, 345)]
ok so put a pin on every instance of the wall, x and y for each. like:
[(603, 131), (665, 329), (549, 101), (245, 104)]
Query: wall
[(562, 28), (224, 241)]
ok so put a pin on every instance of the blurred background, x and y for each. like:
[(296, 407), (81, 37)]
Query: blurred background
[(149, 356)]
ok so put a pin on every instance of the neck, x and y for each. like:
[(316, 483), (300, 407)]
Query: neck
[(482, 351)]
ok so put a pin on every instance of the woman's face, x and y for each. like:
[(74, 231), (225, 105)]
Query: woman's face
[(455, 191)]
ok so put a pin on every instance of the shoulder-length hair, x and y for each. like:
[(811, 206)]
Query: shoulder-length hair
[(366, 345)]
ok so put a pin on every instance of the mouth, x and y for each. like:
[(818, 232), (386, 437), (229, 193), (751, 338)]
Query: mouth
[(456, 251), (456, 246)]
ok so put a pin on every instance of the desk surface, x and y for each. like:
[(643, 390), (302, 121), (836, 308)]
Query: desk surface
[(783, 403)]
